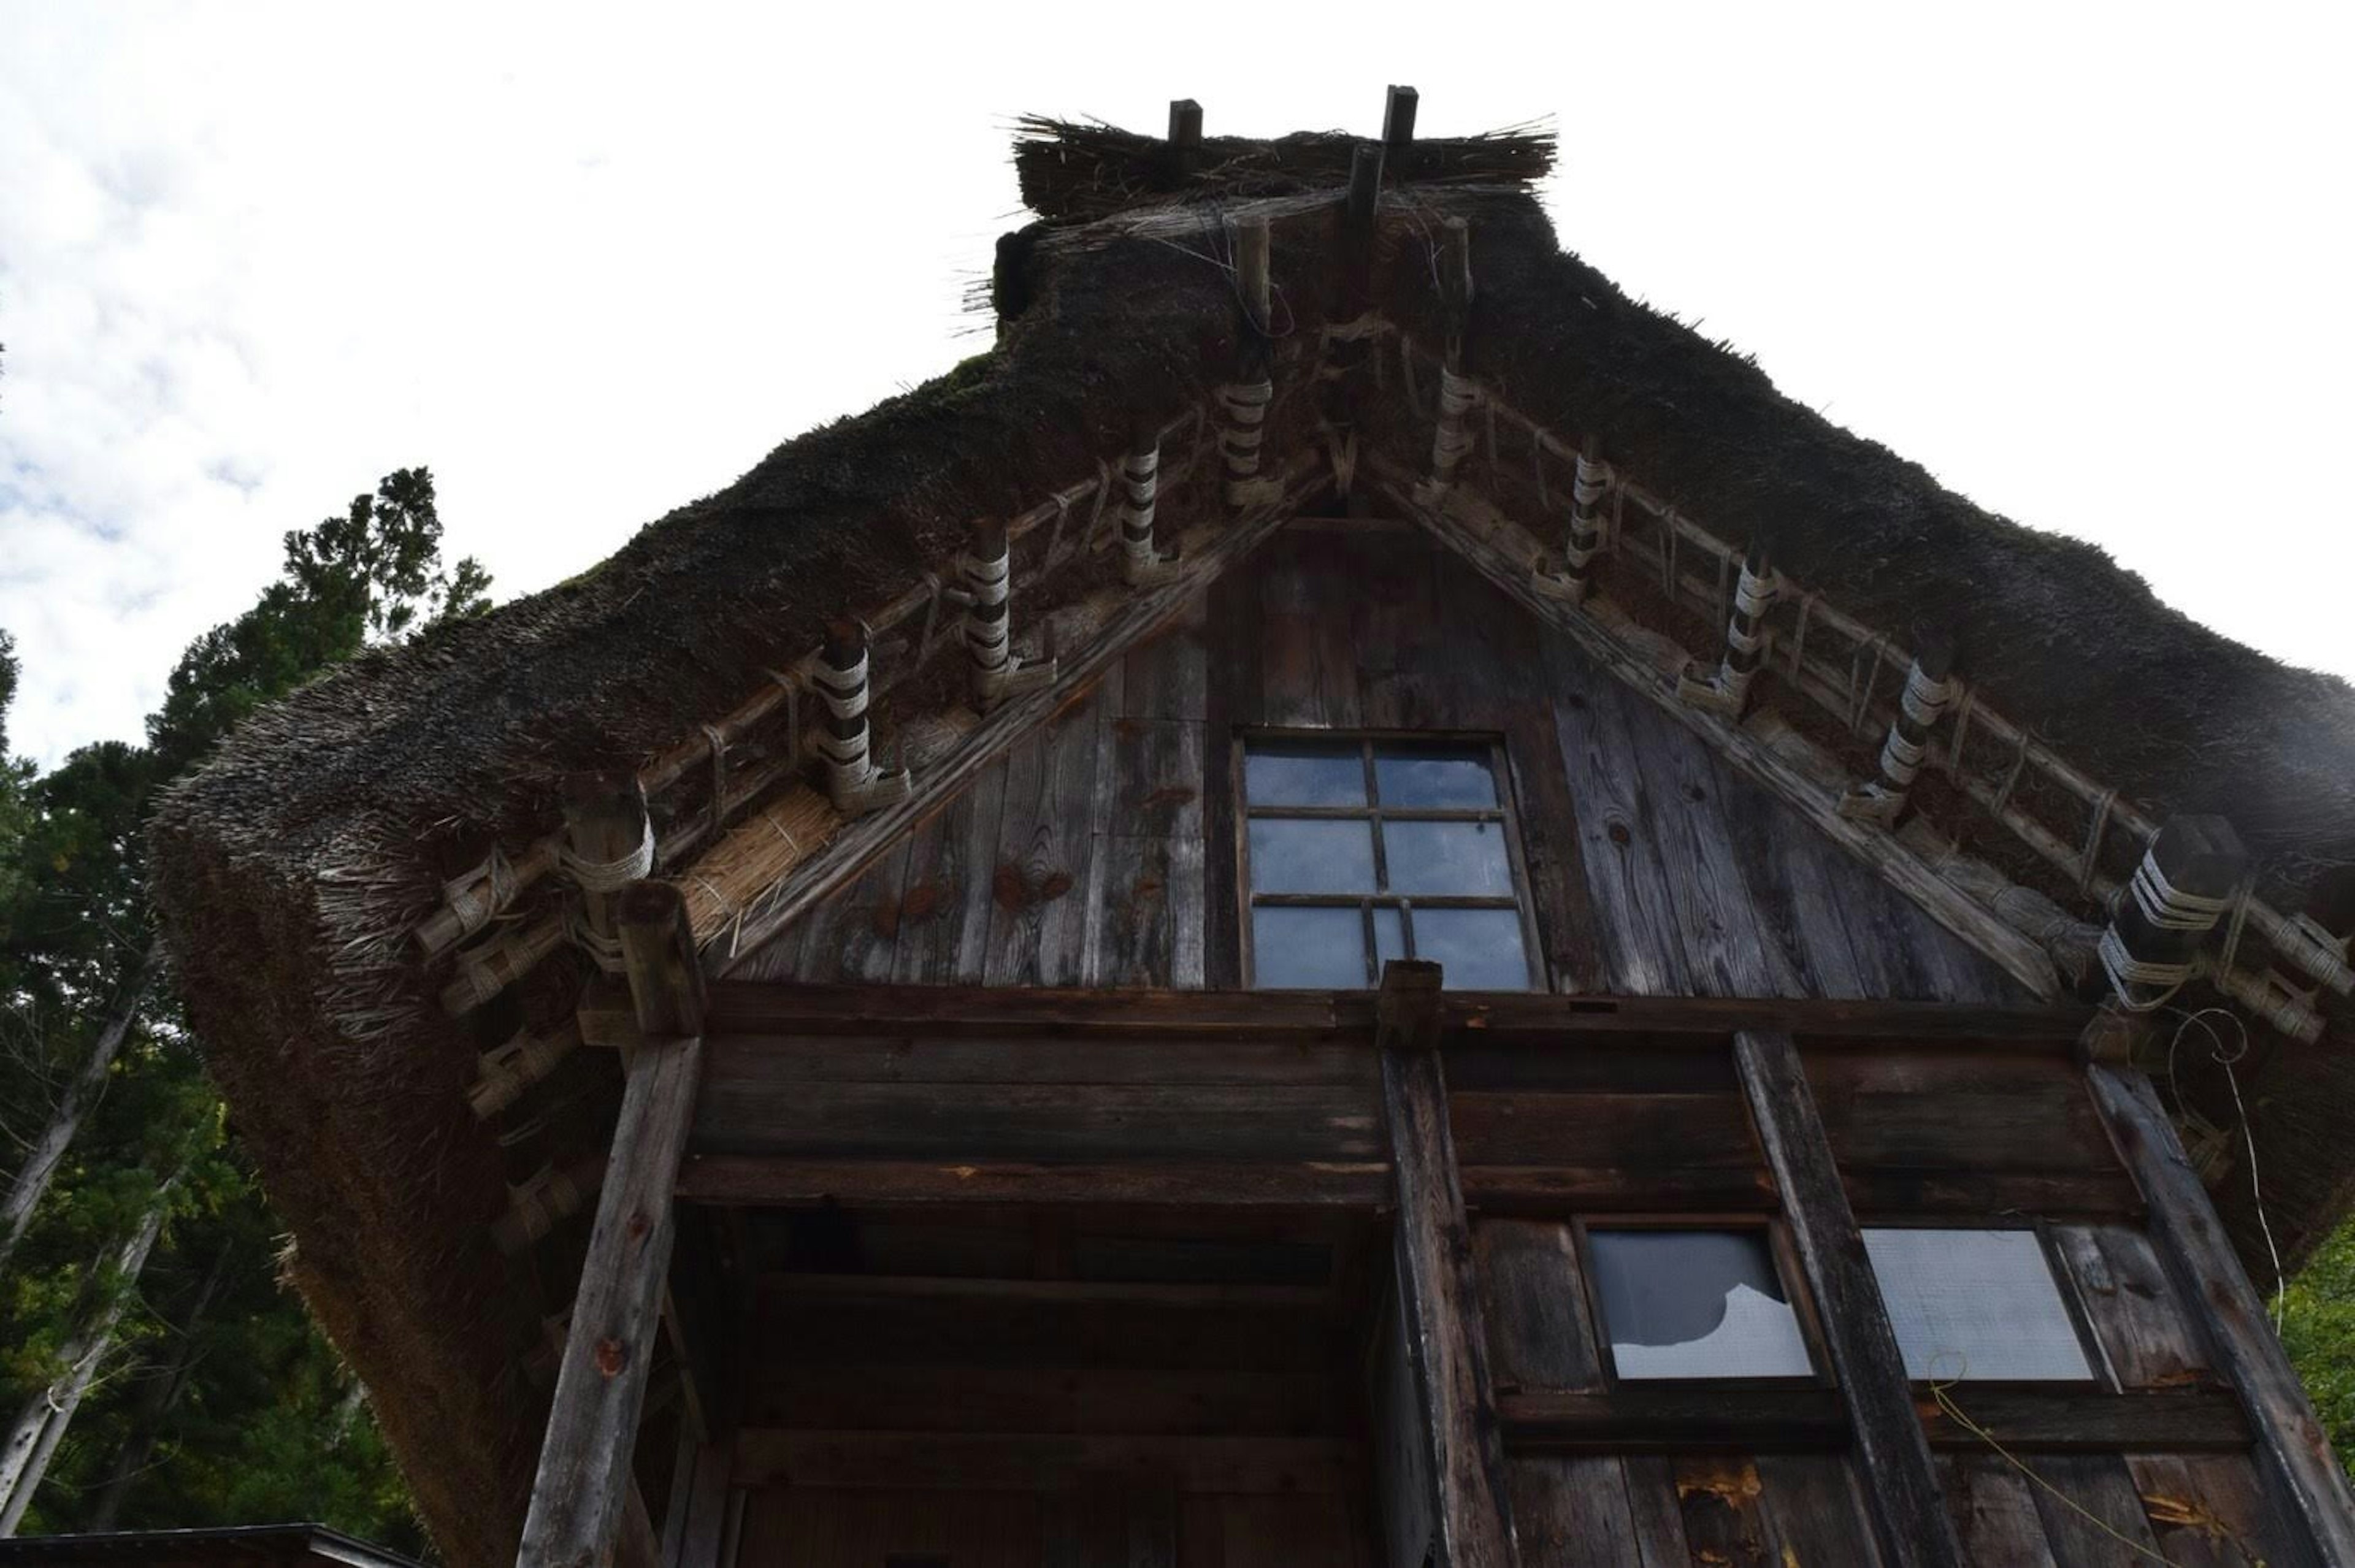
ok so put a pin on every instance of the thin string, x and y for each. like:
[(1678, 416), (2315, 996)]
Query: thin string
[(2225, 1058)]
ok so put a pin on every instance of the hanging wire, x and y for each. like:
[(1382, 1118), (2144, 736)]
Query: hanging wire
[(2225, 1057)]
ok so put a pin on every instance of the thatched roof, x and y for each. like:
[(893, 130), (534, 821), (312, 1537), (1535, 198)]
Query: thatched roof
[(292, 868)]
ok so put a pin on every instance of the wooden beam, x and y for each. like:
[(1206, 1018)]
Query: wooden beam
[(1439, 1299), (583, 1490), (1014, 1462), (1899, 1480), (2292, 1445), (1140, 613), (1398, 117), (753, 1006), (1703, 1417), (1504, 553), (763, 1181), (605, 826)]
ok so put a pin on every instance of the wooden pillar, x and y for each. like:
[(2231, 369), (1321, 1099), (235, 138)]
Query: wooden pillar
[(1726, 689), (2292, 1446), (608, 846), (853, 781), (583, 1505), (1244, 400), (1397, 118), (1929, 687), (2180, 888), (1450, 440), (1438, 1300), (1584, 541), (1184, 137), (1142, 564), (1899, 1480), (987, 570)]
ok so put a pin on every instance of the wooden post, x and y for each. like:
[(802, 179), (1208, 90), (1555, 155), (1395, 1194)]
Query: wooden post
[(1184, 137), (1899, 1480), (987, 571), (1726, 689), (608, 846), (2182, 887), (1458, 395), (2293, 1448), (1439, 1299), (1365, 192), (1590, 483), (1245, 400), (853, 781), (583, 1490), (1397, 118), (1929, 687), (1142, 564)]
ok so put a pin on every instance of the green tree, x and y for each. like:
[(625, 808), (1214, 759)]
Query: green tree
[(2318, 1330), (124, 1153)]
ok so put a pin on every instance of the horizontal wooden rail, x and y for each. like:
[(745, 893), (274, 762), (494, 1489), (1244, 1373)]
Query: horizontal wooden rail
[(739, 1007), (1697, 1417)]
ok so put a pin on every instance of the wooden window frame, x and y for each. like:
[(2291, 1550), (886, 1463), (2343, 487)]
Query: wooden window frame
[(1506, 812), (1787, 1273)]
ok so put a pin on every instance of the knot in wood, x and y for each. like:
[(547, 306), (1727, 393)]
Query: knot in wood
[(612, 1357)]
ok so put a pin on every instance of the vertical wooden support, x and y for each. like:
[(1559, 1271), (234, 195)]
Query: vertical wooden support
[(2182, 887), (1583, 543), (1245, 400), (1899, 1479), (1398, 117), (1726, 689), (1184, 137), (609, 843), (1929, 687), (1438, 1298), (853, 781), (1451, 441), (1142, 564), (583, 1496), (2292, 1446), (987, 571)]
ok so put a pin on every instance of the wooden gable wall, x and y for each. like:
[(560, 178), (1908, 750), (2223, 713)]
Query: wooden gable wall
[(1100, 852)]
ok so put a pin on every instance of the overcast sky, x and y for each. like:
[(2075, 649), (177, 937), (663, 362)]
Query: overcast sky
[(2093, 267)]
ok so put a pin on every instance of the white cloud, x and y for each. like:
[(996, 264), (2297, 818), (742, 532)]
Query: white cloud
[(589, 263)]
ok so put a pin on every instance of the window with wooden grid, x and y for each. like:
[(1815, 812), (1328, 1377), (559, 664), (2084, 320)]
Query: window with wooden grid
[(1364, 848)]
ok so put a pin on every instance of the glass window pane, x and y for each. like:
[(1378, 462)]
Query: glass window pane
[(1480, 949), (1975, 1305), (1322, 949), (1695, 1304), (1452, 776), (1290, 855), (1290, 772), (1390, 937), (1452, 857)]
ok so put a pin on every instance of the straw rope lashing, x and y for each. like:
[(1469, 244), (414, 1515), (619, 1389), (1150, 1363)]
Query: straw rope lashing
[(507, 1071)]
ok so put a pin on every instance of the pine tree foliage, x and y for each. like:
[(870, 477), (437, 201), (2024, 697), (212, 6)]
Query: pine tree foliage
[(216, 1400)]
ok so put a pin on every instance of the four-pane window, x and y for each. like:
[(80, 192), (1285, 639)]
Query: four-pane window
[(1362, 850)]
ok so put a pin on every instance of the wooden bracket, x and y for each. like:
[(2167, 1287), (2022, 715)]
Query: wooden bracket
[(1406, 1010), (658, 952)]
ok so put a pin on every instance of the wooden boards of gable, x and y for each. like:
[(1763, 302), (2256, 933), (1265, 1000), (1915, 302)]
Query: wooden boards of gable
[(1100, 851)]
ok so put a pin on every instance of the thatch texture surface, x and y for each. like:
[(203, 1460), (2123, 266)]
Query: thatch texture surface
[(291, 867)]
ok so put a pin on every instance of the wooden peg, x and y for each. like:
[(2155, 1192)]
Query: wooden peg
[(1726, 689), (1398, 117)]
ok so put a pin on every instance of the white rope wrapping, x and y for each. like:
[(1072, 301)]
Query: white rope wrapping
[(1924, 701), (1753, 594), (604, 951), (2167, 907), (2126, 971), (481, 893), (611, 876), (1901, 759), (1589, 482), (843, 690), (989, 584)]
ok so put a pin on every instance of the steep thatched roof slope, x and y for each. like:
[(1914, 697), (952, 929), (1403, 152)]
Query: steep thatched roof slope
[(291, 868)]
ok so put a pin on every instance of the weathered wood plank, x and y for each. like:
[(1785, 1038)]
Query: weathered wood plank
[(1167, 675), (750, 1113), (1571, 1513), (584, 1464), (1633, 1418), (996, 1461), (2209, 1511), (1652, 1506), (1534, 1302), (1125, 1401), (2004, 1033), (2302, 1470), (1628, 1131), (1813, 1512), (2093, 1517), (1618, 841), (1136, 1058), (1717, 1497), (1439, 1297), (1994, 1510), (2143, 1330), (1038, 927), (1147, 927), (1915, 1528), (767, 1183)]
